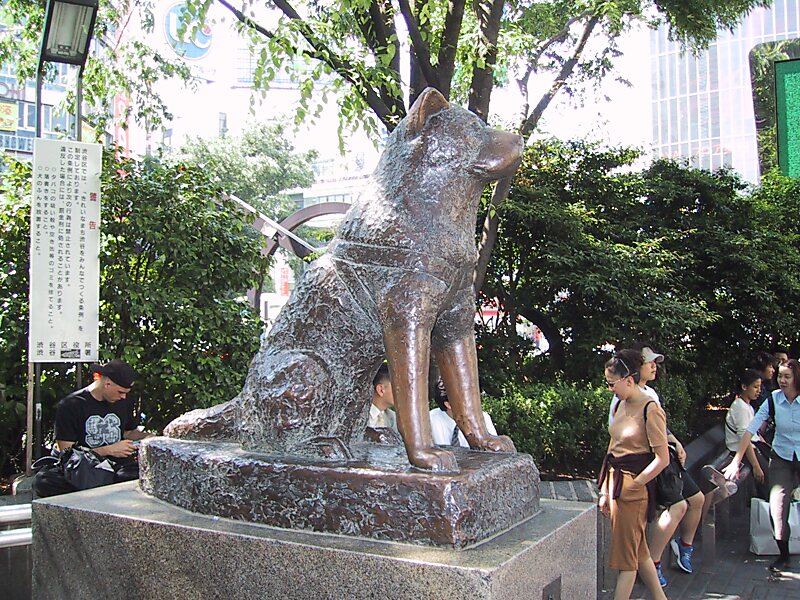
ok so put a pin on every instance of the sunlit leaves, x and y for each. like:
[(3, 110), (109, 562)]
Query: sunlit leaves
[(255, 166), (689, 259)]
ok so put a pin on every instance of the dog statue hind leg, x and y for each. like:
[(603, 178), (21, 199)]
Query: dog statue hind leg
[(456, 356)]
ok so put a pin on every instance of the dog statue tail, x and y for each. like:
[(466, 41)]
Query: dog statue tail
[(217, 423)]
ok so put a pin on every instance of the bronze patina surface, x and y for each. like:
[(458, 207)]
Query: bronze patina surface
[(375, 495), (396, 282)]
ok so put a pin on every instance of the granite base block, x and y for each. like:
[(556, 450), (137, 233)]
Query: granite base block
[(118, 543), (376, 494)]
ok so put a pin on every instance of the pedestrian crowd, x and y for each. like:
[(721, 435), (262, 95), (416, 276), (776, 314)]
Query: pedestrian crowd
[(652, 500)]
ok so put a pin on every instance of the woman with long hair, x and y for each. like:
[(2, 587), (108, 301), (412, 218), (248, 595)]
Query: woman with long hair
[(784, 460), (637, 453)]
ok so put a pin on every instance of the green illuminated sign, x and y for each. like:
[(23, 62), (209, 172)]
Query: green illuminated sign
[(787, 104)]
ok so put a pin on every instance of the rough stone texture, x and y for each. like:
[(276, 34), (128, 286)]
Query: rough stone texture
[(396, 282), (117, 543), (376, 494)]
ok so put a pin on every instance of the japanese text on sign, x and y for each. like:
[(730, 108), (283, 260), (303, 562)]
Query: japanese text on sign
[(65, 246)]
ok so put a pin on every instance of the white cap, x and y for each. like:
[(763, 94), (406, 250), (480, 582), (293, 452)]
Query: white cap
[(648, 355)]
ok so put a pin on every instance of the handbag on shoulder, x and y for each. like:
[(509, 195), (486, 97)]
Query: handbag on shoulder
[(669, 483)]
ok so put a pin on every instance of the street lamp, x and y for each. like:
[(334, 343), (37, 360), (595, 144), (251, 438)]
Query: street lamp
[(68, 30)]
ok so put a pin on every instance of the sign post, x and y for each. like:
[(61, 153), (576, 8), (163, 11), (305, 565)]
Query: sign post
[(65, 263)]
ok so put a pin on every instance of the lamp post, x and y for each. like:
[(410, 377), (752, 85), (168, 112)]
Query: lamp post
[(68, 30)]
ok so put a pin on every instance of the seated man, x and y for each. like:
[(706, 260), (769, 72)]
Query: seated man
[(380, 411), (443, 427), (99, 417)]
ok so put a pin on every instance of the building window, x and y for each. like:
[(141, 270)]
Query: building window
[(223, 124)]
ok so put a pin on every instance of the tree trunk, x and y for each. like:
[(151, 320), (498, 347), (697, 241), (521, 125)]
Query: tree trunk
[(489, 231), (502, 187), (489, 14), (549, 331)]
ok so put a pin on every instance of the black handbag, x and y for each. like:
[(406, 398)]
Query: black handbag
[(84, 469), (669, 482)]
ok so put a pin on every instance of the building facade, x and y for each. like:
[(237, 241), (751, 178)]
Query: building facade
[(702, 106), (18, 111)]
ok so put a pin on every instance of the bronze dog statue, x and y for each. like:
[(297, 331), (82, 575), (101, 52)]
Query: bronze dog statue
[(396, 281)]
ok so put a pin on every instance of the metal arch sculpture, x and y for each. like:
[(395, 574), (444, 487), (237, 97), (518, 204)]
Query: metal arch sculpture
[(290, 223)]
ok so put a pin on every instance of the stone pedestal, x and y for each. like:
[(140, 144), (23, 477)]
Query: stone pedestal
[(118, 543), (374, 494)]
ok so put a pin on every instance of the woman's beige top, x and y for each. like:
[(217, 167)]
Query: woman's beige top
[(628, 435)]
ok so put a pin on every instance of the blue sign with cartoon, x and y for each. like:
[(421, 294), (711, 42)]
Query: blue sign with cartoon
[(195, 48)]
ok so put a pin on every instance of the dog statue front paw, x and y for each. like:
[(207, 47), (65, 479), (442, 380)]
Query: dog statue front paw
[(494, 443), (437, 460)]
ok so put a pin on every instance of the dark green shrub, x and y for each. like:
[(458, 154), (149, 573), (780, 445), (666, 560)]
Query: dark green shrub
[(678, 404), (174, 264), (564, 426)]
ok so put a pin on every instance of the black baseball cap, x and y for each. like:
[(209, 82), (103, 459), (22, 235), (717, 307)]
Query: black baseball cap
[(117, 371)]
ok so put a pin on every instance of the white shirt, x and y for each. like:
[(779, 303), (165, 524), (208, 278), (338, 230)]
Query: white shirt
[(442, 428), (614, 401), (382, 418), (739, 416)]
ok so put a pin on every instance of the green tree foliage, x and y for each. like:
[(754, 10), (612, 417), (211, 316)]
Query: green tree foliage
[(594, 252), (122, 64), (453, 46), (255, 166), (463, 50), (175, 261), (361, 49), (14, 261)]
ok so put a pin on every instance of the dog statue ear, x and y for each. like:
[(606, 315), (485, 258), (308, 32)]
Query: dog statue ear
[(428, 103)]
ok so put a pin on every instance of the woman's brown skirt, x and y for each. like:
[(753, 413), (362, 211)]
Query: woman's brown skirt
[(628, 524)]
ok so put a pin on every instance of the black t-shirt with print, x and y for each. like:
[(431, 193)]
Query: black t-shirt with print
[(83, 419)]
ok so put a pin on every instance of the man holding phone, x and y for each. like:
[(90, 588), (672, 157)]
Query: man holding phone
[(99, 417)]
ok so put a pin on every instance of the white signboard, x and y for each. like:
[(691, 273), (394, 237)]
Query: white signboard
[(65, 248)]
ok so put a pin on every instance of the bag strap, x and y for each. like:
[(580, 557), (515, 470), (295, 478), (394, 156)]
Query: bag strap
[(771, 407), (645, 410), (728, 426)]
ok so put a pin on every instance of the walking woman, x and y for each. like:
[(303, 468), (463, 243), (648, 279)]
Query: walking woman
[(784, 460), (637, 453)]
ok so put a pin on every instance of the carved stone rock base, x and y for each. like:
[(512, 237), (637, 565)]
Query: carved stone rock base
[(82, 540), (374, 495)]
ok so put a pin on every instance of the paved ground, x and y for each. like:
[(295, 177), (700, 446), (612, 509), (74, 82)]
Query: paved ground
[(735, 575)]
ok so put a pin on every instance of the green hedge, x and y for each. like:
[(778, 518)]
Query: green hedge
[(564, 426), (678, 404)]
